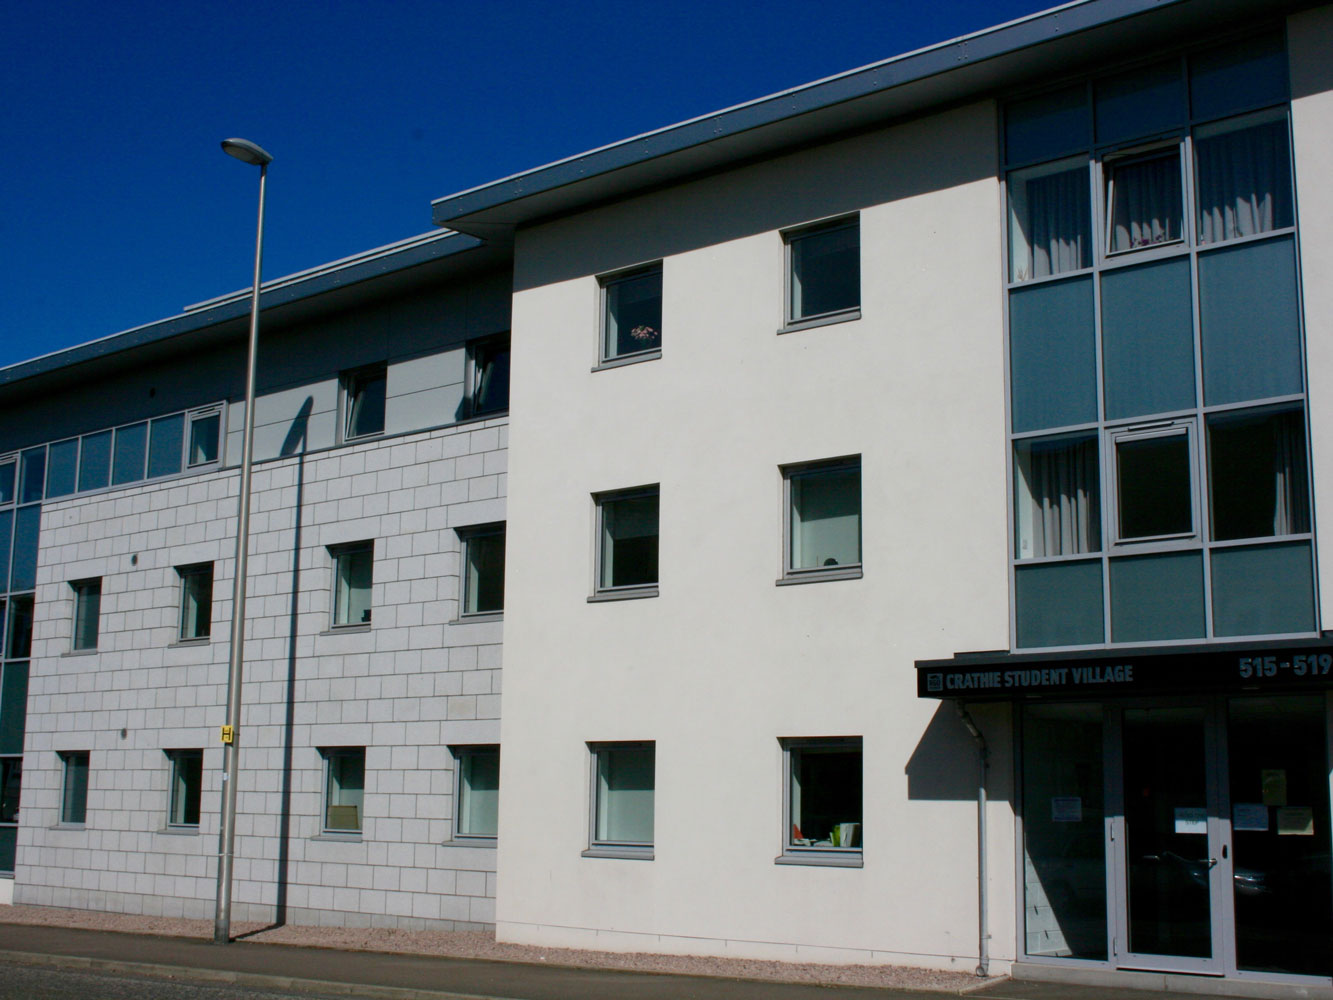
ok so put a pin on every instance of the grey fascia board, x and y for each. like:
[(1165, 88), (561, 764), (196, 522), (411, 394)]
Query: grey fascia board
[(277, 292), (809, 99)]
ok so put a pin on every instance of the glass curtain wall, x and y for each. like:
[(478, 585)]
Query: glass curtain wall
[(1161, 487)]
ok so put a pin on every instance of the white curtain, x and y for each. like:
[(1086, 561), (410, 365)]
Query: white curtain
[(1058, 498), (1244, 182), (1058, 220), (1145, 203), (1291, 494)]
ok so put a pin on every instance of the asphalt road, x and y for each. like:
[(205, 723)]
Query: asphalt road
[(27, 982)]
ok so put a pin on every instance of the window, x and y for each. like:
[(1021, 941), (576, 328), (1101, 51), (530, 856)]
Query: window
[(352, 573), (623, 777), (824, 271), (483, 569), (196, 620), (1154, 482), (476, 791), (205, 431), (1143, 198), (11, 786), (87, 608), (32, 478), (7, 481), (1050, 219), (823, 510), (1259, 482), (489, 382), (823, 796), (344, 789), (632, 314), (1057, 493), (74, 786), (18, 634), (363, 405), (187, 785), (627, 543)]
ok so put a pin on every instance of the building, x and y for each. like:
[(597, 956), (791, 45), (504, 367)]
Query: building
[(909, 513)]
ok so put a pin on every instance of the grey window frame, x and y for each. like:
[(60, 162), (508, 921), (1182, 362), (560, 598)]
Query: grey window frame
[(461, 753), (794, 235), (328, 755), (466, 537), (1148, 431), (826, 855), (605, 282), (476, 369), (66, 758), (624, 592), (351, 383), (816, 574), (82, 589), (337, 553), (175, 758), (627, 850), (187, 574)]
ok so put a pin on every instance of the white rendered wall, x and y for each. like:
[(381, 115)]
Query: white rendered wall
[(1309, 42), (724, 663)]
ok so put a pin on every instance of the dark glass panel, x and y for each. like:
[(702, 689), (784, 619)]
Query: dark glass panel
[(1059, 604), (62, 463), (1263, 590), (165, 445), (1052, 355), (1148, 339), (95, 461), (1047, 126), (131, 453), (1247, 74), (1142, 102), (1157, 597)]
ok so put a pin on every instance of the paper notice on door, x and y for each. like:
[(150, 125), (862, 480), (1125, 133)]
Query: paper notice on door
[(1066, 809), (1191, 819), (1295, 821), (1275, 787), (1249, 816)]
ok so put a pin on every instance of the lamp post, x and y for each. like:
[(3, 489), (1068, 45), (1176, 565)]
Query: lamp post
[(246, 152)]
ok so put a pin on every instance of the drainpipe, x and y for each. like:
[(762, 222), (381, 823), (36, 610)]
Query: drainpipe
[(983, 926)]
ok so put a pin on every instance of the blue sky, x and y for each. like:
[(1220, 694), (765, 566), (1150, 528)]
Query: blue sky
[(118, 208)]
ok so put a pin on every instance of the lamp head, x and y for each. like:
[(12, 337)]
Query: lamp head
[(246, 151)]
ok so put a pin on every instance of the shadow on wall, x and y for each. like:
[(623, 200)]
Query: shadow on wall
[(297, 434), (944, 766), (918, 157)]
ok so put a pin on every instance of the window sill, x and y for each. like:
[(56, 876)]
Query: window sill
[(347, 629), (821, 575), (75, 827), (199, 640), (330, 837), (362, 438), (628, 359), (80, 652), (179, 831), (829, 320), (821, 859), (480, 616), (622, 853), (471, 842), (626, 594)]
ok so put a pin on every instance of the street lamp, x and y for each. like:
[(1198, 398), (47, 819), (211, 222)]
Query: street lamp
[(246, 152)]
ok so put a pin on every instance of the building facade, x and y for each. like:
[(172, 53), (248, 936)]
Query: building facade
[(905, 534)]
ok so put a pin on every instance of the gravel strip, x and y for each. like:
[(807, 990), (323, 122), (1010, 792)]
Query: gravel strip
[(482, 945)]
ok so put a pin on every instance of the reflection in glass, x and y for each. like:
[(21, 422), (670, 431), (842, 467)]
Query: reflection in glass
[(1064, 842)]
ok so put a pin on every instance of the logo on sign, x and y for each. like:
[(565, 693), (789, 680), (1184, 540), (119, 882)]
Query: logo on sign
[(934, 683)]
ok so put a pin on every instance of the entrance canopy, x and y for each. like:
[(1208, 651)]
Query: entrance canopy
[(1273, 666)]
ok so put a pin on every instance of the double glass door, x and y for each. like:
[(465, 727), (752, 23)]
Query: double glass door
[(1189, 836)]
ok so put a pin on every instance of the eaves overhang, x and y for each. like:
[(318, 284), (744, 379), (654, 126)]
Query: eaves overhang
[(339, 284), (1042, 46)]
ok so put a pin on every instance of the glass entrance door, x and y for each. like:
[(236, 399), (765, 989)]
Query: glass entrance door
[(1168, 841)]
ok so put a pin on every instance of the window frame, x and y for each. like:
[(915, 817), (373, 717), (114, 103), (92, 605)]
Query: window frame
[(328, 755), (82, 590), (337, 553), (197, 416), (825, 854), (477, 351), (793, 574), (175, 759), (605, 283), (793, 236), (466, 537), (1110, 160), (1186, 427), (187, 574), (629, 850), (68, 757), (630, 591), (352, 383), (463, 754)]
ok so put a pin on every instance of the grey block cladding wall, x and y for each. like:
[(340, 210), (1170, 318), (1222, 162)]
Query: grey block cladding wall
[(416, 682)]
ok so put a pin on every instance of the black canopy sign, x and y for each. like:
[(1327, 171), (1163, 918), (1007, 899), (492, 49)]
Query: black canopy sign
[(1233, 667)]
